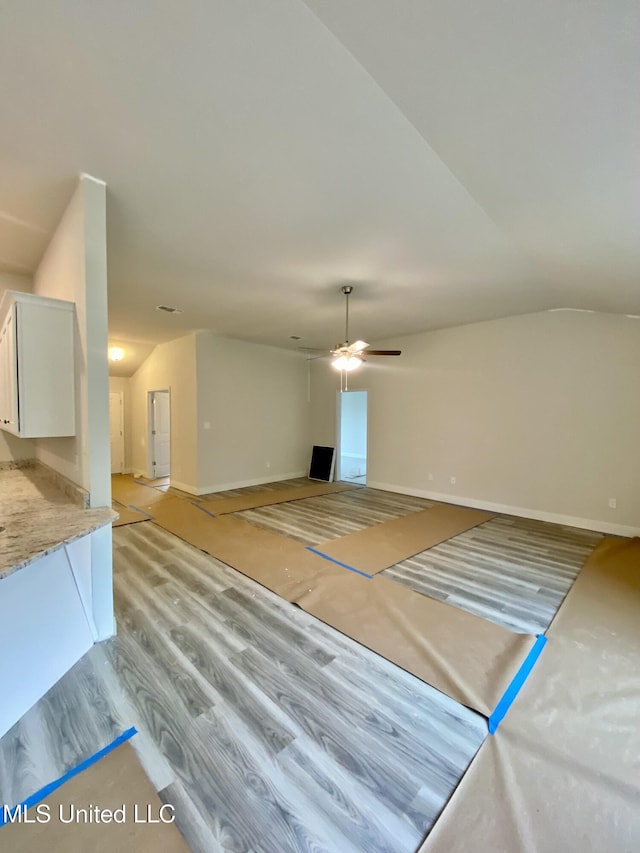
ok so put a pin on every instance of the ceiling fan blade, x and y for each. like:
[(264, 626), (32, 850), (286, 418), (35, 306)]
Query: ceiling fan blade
[(384, 352), (357, 346)]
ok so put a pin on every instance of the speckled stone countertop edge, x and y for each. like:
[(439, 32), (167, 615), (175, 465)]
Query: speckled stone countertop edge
[(109, 516)]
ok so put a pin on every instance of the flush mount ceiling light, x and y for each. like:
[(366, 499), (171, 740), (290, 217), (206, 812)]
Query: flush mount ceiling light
[(168, 310), (116, 353)]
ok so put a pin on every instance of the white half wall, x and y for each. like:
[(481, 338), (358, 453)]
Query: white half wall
[(255, 400), (537, 414), (74, 267), (171, 366)]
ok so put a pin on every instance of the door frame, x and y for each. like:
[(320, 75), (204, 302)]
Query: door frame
[(151, 473), (338, 475), (121, 395)]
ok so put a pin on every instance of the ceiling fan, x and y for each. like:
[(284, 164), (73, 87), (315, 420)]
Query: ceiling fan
[(348, 356)]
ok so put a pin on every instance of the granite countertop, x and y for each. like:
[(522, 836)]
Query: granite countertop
[(38, 517)]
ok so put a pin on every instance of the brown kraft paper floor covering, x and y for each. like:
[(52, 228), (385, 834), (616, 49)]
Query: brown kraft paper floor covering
[(466, 657), (562, 773), (377, 548), (112, 781), (253, 500), (128, 492), (128, 516)]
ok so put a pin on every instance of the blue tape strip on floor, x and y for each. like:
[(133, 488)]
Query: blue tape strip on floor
[(338, 563), (199, 506), (40, 795), (144, 512), (514, 688)]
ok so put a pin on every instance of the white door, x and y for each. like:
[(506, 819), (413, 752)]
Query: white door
[(161, 433), (352, 436), (116, 430)]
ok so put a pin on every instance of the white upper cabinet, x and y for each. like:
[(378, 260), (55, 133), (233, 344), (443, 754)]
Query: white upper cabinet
[(37, 372)]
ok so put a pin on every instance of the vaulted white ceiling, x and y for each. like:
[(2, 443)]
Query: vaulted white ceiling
[(456, 160)]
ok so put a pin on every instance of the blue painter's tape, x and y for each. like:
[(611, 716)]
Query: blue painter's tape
[(514, 688), (338, 563), (144, 512), (199, 506), (40, 795)]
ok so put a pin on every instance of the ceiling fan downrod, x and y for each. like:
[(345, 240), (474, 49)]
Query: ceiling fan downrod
[(347, 290)]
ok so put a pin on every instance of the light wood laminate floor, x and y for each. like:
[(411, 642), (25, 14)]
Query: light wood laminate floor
[(512, 571), (268, 730), (315, 520)]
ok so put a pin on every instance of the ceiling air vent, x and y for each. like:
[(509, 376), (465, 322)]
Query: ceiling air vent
[(168, 309)]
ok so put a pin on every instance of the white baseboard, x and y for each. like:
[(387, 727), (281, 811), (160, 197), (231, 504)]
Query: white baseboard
[(505, 509), (241, 484), (184, 487)]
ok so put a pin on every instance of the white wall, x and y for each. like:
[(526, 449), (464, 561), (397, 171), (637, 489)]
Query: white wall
[(537, 414), (12, 448), (123, 385), (74, 267), (172, 367), (255, 399)]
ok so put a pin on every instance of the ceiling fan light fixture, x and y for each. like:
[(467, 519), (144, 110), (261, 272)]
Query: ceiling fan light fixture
[(347, 362)]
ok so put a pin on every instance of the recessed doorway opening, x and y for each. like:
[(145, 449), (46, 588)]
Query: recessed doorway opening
[(352, 436)]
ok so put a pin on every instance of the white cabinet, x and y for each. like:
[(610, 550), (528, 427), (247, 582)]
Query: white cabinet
[(44, 630), (37, 375)]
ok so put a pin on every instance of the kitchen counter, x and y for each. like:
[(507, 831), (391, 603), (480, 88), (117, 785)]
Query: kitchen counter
[(38, 517)]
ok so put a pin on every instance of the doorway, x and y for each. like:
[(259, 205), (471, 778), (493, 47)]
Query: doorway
[(159, 464), (352, 436), (116, 431)]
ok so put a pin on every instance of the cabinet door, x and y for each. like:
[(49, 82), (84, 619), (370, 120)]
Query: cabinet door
[(9, 375), (4, 397), (46, 391)]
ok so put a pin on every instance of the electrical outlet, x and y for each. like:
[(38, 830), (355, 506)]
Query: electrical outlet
[(613, 504), (430, 476), (268, 464), (453, 481)]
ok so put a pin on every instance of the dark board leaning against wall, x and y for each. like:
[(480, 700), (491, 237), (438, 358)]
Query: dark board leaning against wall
[(322, 463)]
